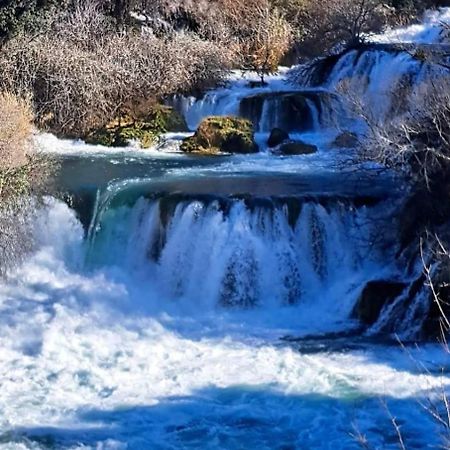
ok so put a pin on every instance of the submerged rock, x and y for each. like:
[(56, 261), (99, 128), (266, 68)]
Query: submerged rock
[(347, 139), (146, 128), (296, 148), (277, 137), (221, 134), (374, 297)]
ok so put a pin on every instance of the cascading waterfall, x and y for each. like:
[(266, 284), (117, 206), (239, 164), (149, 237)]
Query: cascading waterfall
[(263, 253), (158, 325), (389, 63)]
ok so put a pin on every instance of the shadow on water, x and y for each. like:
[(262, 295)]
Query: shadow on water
[(239, 418)]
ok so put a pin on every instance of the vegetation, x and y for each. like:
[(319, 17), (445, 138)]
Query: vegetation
[(145, 129), (82, 73), (21, 174), (222, 134), (84, 64)]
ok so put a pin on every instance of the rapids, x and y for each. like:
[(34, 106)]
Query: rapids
[(178, 302)]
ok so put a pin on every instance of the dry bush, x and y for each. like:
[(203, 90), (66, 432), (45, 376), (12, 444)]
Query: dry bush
[(84, 72), (255, 32), (15, 130), (16, 227), (417, 142), (268, 41), (258, 33), (22, 175), (330, 23)]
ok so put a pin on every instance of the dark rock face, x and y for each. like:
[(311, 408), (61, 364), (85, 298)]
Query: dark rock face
[(425, 209), (277, 137), (221, 134), (297, 148), (374, 297), (291, 111), (346, 140), (256, 84)]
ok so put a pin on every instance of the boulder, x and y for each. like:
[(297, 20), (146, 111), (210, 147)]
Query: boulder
[(346, 139), (296, 148), (144, 128), (221, 135), (277, 137), (375, 295)]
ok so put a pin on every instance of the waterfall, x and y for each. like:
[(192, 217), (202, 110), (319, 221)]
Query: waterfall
[(244, 253)]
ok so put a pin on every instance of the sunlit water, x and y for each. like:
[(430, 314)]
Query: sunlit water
[(187, 302)]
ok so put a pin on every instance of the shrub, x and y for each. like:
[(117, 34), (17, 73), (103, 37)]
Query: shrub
[(15, 130), (267, 42), (330, 23), (21, 175), (256, 32), (17, 16), (83, 72)]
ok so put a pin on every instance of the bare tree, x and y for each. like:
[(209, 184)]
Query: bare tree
[(345, 22)]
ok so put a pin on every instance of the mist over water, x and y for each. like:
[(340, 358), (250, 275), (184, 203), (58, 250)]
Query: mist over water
[(208, 303)]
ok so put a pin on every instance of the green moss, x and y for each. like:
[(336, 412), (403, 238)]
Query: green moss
[(222, 134), (145, 129)]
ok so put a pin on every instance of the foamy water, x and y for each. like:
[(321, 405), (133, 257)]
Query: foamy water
[(91, 360), (103, 346)]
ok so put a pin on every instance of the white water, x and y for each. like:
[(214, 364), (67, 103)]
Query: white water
[(103, 346), (88, 362), (429, 31), (246, 258)]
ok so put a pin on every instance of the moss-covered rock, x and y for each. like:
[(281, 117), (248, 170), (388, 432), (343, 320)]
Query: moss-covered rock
[(144, 129), (222, 134)]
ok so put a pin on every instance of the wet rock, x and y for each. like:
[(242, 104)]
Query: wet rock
[(277, 137), (346, 139), (374, 297), (221, 134), (296, 148), (292, 111)]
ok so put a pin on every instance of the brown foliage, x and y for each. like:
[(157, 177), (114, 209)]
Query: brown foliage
[(22, 174), (83, 71), (256, 32), (15, 130), (330, 22)]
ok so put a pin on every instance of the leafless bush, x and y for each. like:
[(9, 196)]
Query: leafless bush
[(416, 142), (15, 130), (256, 32), (329, 23), (269, 39), (16, 240), (84, 72)]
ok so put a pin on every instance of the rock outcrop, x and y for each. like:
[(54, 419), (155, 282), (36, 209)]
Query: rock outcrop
[(221, 135)]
